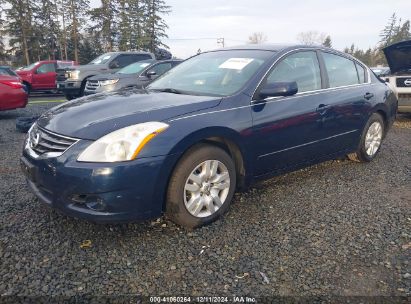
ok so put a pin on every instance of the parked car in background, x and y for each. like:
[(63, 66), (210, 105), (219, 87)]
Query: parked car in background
[(12, 92), (72, 81), (136, 75), (381, 71), (41, 75), (6, 70), (398, 56), (216, 122)]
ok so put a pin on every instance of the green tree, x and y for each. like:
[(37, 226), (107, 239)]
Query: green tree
[(77, 10), (19, 27), (327, 42), (154, 25), (105, 23)]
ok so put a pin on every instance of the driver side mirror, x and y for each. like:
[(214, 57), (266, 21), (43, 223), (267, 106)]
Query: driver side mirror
[(277, 89), (151, 73)]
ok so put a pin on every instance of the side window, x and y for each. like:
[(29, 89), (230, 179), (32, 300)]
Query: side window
[(46, 68), (301, 67), (341, 71), (161, 68), (140, 57), (361, 73), (124, 60)]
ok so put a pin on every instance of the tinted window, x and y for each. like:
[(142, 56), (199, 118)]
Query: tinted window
[(301, 67), (341, 71), (361, 73), (161, 68), (46, 68), (135, 67), (122, 61)]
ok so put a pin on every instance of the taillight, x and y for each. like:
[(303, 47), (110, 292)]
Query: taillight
[(13, 84)]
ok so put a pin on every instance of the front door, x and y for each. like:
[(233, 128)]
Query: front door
[(44, 78), (286, 128)]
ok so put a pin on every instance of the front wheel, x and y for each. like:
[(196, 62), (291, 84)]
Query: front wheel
[(371, 140), (201, 186), (69, 96)]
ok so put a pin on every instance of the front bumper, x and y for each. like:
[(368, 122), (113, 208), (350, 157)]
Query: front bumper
[(69, 87), (99, 192)]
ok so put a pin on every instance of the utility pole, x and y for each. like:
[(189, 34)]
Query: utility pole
[(220, 41)]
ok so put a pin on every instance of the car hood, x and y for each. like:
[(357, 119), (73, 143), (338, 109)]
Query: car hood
[(399, 56), (93, 116), (113, 76)]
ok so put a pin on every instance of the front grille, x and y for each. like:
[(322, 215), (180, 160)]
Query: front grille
[(404, 96), (403, 82), (42, 141), (92, 85), (61, 75)]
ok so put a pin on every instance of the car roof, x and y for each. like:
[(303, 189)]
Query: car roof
[(274, 47)]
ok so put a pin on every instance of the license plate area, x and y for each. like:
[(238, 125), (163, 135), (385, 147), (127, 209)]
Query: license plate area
[(28, 169)]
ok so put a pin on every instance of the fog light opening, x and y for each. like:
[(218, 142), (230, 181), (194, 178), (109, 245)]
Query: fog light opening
[(92, 202)]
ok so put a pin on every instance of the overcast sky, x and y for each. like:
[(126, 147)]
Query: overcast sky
[(346, 21)]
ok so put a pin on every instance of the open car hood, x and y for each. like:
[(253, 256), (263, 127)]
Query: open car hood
[(399, 56)]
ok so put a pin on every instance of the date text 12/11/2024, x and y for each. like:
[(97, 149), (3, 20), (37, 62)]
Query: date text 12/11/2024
[(198, 299)]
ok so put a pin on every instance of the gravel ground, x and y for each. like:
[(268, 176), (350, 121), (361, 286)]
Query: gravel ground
[(335, 229)]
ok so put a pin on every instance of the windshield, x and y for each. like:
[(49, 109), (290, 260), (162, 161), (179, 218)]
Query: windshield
[(135, 67), (7, 71), (29, 67), (102, 59), (219, 73)]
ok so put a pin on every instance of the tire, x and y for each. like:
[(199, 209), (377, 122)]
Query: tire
[(221, 183), (28, 87), (373, 133), (23, 124), (69, 96)]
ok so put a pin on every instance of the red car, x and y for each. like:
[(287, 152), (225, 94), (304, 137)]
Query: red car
[(41, 75), (12, 93)]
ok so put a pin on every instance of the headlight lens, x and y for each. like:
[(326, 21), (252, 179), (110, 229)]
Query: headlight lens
[(108, 82), (122, 145), (74, 74)]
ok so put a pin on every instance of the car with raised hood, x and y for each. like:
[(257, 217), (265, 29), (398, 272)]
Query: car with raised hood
[(213, 124), (398, 56), (72, 81), (13, 92), (40, 76), (137, 75)]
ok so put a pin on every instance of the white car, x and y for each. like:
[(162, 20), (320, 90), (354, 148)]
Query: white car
[(399, 59)]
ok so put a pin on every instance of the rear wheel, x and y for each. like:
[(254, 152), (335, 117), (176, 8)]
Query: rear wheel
[(69, 96), (201, 186), (371, 140)]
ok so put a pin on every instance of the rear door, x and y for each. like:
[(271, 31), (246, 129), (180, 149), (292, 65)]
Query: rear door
[(345, 104), (44, 77)]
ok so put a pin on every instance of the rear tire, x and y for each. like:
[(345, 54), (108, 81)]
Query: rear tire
[(371, 140), (201, 186), (69, 96)]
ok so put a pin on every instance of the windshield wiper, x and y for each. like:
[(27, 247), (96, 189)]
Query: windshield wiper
[(169, 90)]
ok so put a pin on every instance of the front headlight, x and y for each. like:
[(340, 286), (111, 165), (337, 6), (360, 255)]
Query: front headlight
[(74, 74), (108, 82), (123, 144)]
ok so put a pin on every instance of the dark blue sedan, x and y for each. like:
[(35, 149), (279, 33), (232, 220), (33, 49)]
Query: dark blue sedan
[(215, 123)]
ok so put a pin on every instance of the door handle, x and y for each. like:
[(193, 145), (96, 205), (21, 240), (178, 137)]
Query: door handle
[(368, 96)]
